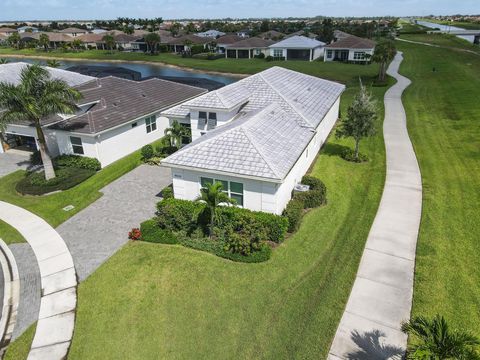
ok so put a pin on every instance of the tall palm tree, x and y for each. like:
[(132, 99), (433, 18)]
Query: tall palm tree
[(37, 96), (213, 195), (152, 40), (383, 53), (175, 133), (433, 340), (109, 41), (44, 41)]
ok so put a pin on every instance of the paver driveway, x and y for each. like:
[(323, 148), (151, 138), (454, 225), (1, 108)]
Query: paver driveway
[(11, 162), (97, 232)]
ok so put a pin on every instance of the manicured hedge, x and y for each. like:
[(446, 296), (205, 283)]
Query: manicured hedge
[(294, 212), (35, 183), (176, 215), (167, 193), (151, 232), (316, 196), (77, 161)]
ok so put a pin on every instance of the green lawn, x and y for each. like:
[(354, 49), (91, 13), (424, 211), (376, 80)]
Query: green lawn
[(160, 301), (460, 24), (9, 234), (50, 207), (443, 40), (443, 111), (18, 350)]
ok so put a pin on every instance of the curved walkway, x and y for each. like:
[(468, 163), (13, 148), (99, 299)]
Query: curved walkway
[(58, 278), (381, 296)]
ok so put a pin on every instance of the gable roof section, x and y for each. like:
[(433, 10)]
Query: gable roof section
[(263, 144), (228, 39), (298, 42), (225, 98), (352, 42), (253, 42), (193, 38), (117, 101)]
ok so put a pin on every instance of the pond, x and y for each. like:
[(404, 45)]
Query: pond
[(146, 70), (469, 38)]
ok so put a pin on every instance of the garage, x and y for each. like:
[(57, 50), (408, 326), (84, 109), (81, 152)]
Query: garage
[(298, 54), (20, 142)]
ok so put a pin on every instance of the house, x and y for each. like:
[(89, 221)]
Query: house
[(339, 35), (272, 35), (23, 29), (3, 39), (115, 117), (260, 136), (302, 33), (248, 48), (55, 39), (211, 34), (244, 33), (297, 48), (224, 41), (93, 41), (350, 49), (6, 31), (73, 32), (184, 43)]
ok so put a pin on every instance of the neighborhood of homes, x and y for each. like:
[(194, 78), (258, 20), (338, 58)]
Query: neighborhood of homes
[(258, 135), (295, 46)]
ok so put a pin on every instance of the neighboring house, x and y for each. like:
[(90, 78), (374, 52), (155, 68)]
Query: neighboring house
[(73, 32), (23, 29), (297, 48), (224, 41), (7, 31), (350, 49), (244, 33), (180, 44), (211, 33), (115, 117), (99, 31), (261, 134), (339, 35), (3, 39), (93, 41), (56, 39), (248, 48), (272, 35), (302, 33)]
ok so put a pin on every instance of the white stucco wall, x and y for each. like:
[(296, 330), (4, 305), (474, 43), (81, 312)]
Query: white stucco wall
[(261, 195), (350, 54), (31, 131), (198, 128)]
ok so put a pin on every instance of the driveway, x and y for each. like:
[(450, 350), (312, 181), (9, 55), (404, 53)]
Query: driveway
[(97, 232), (13, 161)]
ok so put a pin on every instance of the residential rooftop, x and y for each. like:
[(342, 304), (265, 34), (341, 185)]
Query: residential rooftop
[(352, 42), (252, 42), (298, 42)]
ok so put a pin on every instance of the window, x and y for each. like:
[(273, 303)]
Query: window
[(134, 124), (358, 55), (277, 53), (212, 119), (202, 115), (329, 53), (151, 123), (77, 145), (233, 189)]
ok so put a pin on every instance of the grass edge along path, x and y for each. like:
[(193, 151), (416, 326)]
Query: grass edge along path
[(9, 234), (195, 305)]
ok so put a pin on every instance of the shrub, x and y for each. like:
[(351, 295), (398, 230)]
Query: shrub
[(269, 58), (151, 232), (155, 160), (176, 214), (260, 56), (197, 49), (167, 193), (313, 182), (66, 178), (294, 213), (147, 152), (311, 199), (135, 234), (349, 155), (77, 161), (36, 158)]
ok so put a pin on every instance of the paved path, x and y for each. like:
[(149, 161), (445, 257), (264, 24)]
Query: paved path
[(97, 232), (58, 279), (381, 296), (13, 161)]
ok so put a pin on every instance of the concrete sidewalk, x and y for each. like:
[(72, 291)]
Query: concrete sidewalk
[(381, 296), (56, 318)]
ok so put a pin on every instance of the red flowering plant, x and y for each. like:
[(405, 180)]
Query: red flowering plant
[(135, 234)]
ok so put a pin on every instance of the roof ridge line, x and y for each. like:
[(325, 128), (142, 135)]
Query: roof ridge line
[(286, 100)]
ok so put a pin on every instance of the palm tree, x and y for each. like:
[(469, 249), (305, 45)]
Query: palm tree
[(4, 61), (14, 40), (152, 40), (384, 53), (213, 195), (44, 41), (109, 41), (54, 63), (175, 133), (36, 97), (433, 340)]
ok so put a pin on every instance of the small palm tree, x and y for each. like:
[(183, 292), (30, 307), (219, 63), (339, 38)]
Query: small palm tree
[(37, 97), (3, 61), (213, 195), (54, 63), (433, 340), (175, 133), (44, 41)]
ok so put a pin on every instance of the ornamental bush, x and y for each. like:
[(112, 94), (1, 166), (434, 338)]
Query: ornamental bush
[(167, 193), (135, 234), (176, 214), (316, 196), (294, 213), (313, 182), (151, 232), (77, 161), (349, 155), (147, 152)]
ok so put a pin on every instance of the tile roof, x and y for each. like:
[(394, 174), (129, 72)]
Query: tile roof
[(271, 34), (73, 30), (10, 73), (7, 30), (352, 42), (339, 34), (253, 42), (193, 38), (52, 36), (264, 140), (228, 39), (117, 101), (224, 98), (298, 42)]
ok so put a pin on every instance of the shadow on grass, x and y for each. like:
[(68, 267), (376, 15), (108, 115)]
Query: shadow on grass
[(372, 349), (332, 149)]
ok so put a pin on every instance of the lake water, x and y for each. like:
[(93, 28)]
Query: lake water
[(145, 69), (469, 38)]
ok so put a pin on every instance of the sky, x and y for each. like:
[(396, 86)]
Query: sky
[(173, 9)]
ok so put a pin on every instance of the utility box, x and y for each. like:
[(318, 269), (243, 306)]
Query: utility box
[(301, 188)]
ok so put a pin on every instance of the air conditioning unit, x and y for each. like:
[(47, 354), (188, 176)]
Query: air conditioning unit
[(301, 188)]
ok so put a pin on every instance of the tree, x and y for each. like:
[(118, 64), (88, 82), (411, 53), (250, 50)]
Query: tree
[(152, 40), (54, 63), (190, 28), (36, 97), (109, 41), (265, 26), (128, 30), (175, 28), (213, 195), (4, 61), (14, 40), (77, 44), (433, 340), (384, 53), (175, 133), (44, 41), (360, 120)]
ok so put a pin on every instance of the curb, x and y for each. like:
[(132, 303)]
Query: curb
[(11, 296)]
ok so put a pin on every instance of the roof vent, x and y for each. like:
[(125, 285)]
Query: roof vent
[(143, 94)]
